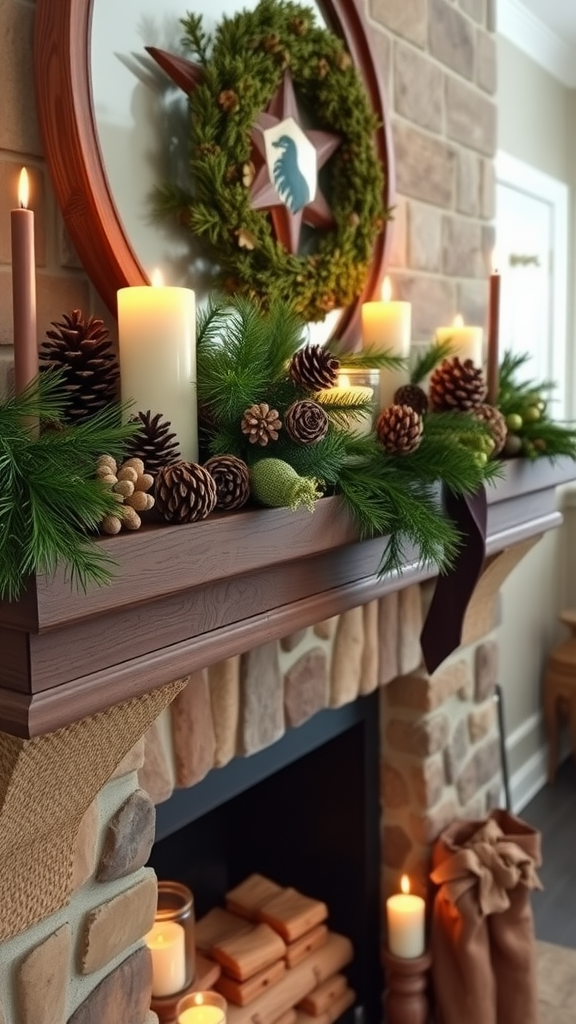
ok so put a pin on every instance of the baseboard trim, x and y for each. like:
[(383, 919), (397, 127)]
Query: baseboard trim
[(528, 780)]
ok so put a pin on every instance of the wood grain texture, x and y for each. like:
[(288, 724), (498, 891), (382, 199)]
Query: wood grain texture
[(70, 139)]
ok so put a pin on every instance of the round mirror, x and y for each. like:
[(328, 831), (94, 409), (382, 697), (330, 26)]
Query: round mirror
[(113, 125)]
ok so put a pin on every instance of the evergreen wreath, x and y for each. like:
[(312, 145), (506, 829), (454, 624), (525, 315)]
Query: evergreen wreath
[(242, 68), (394, 496)]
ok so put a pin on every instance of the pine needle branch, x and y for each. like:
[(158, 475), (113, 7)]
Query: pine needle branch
[(429, 360)]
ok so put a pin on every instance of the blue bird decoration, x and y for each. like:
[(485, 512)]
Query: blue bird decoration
[(288, 178)]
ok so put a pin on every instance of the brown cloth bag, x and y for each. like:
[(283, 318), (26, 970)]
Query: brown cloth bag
[(483, 952)]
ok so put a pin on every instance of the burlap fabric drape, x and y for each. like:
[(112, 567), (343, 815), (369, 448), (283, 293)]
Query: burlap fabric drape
[(483, 948)]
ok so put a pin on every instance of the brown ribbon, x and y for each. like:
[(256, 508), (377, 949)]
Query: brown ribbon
[(442, 630)]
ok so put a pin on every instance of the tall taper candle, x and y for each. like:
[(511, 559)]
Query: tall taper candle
[(492, 366), (23, 289), (157, 345)]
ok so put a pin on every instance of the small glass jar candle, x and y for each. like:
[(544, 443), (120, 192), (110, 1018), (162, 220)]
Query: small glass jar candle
[(202, 1008), (172, 941), (360, 385)]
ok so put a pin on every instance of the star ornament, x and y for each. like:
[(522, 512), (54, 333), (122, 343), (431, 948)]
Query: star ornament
[(289, 159)]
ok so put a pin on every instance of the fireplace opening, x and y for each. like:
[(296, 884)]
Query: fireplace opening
[(304, 812)]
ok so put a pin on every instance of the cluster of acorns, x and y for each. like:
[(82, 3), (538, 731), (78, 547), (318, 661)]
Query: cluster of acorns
[(129, 484)]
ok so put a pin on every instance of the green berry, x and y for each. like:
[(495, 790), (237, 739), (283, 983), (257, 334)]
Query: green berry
[(276, 484), (480, 458), (531, 414), (514, 421), (513, 445)]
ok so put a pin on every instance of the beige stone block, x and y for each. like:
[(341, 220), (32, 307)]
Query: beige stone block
[(473, 301), (491, 16), (369, 667), (84, 863), (425, 165), (118, 924), (485, 670), (398, 230), (426, 828), (479, 770), (405, 17), (347, 658), (132, 762), (487, 189), (293, 640), (424, 238), (128, 839), (468, 183), (382, 45), (433, 302), (475, 9), (428, 782), (327, 629), (224, 679), (155, 776), (486, 62), (193, 730), (481, 721), (423, 738), (451, 37), (388, 637), (262, 699), (470, 116), (6, 373), (418, 88), (462, 247), (42, 980), (493, 795), (393, 787), (18, 125), (123, 997), (420, 692), (9, 175), (396, 846), (455, 751), (306, 687), (410, 615)]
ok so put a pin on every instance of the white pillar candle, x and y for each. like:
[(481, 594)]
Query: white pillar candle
[(166, 942), (386, 327), (157, 345), (405, 916), (466, 341)]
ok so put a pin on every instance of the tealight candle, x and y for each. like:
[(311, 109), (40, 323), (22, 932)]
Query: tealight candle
[(23, 289), (166, 942), (157, 347), (465, 341), (202, 1008), (386, 327), (405, 915)]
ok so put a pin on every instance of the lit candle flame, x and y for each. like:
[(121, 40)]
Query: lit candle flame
[(458, 321), (23, 189), (343, 380), (386, 290), (405, 884), (156, 278)]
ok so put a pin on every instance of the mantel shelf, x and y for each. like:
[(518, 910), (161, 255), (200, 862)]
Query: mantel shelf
[(185, 597)]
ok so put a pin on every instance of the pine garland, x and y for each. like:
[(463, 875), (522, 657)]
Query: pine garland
[(243, 65), (50, 503), (524, 404)]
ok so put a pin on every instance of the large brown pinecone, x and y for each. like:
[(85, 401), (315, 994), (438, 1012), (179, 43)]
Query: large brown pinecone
[(154, 443), (81, 349), (412, 395), (261, 424), (232, 479), (314, 368), (495, 422), (399, 429), (456, 385), (185, 492), (306, 422)]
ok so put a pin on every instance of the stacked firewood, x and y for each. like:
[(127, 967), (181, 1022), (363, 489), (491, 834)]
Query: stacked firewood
[(279, 962)]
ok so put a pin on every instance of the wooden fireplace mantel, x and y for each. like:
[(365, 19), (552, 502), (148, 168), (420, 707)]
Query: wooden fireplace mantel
[(185, 597)]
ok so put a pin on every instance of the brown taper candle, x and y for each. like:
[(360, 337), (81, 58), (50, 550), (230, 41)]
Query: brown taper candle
[(23, 289), (492, 368)]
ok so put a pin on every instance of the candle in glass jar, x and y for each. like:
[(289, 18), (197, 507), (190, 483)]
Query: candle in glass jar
[(157, 347), (346, 390), (23, 288), (465, 340), (166, 942), (386, 327), (202, 1008), (405, 915)]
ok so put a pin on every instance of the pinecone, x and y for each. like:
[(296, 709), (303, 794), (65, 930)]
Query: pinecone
[(314, 368), (80, 348), (261, 424), (456, 385), (185, 492), (495, 423), (306, 422), (232, 481), (399, 429), (154, 443), (412, 395)]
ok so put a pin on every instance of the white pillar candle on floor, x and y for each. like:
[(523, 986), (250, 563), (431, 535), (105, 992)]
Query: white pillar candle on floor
[(157, 346), (406, 920), (466, 341), (386, 327), (166, 942)]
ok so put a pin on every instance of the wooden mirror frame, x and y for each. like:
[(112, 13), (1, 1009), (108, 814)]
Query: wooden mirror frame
[(62, 70)]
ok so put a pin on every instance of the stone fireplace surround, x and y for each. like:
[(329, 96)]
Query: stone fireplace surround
[(76, 820)]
